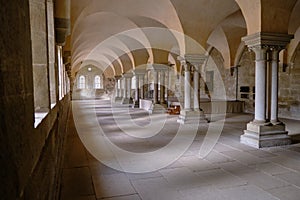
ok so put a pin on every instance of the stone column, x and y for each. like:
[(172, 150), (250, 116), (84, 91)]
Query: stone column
[(136, 103), (120, 88), (196, 89), (155, 92), (187, 87), (127, 88), (260, 84), (142, 86), (117, 89), (122, 85), (260, 132), (129, 84), (162, 87), (192, 115), (169, 90), (274, 91), (124, 90), (139, 92), (146, 86)]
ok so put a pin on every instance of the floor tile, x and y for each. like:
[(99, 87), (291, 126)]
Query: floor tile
[(286, 193), (112, 185), (246, 193)]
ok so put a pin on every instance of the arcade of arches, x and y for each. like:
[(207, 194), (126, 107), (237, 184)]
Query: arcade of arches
[(190, 62)]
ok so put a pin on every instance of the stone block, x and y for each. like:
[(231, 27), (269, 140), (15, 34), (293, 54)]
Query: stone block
[(191, 117), (259, 136)]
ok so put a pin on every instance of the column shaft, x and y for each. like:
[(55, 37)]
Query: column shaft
[(187, 88), (260, 84), (196, 89), (125, 88), (129, 88), (155, 92), (142, 87), (274, 90), (137, 88), (162, 87), (120, 88), (146, 86)]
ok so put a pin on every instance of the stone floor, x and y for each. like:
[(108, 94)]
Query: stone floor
[(231, 171)]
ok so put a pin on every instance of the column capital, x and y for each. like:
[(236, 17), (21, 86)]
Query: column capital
[(139, 72), (127, 75), (267, 40), (157, 67), (196, 59), (118, 77)]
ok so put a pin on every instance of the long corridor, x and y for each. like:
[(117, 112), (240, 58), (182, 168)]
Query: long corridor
[(230, 171)]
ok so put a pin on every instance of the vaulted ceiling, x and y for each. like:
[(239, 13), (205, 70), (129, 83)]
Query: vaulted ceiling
[(122, 35)]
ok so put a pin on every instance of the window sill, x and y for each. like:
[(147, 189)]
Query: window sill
[(39, 116)]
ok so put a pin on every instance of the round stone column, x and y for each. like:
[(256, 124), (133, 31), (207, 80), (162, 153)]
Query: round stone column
[(125, 87), (142, 87), (146, 86), (260, 84), (162, 87), (155, 92), (274, 89), (187, 87), (137, 89), (196, 88), (120, 88)]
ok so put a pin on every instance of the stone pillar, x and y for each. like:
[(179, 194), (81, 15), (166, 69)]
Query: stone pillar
[(260, 84), (117, 89), (169, 89), (196, 89), (124, 90), (260, 132), (142, 86), (137, 88), (162, 87), (155, 92), (120, 88), (274, 90), (127, 88), (139, 92), (146, 86), (191, 115), (129, 84), (137, 95), (187, 87)]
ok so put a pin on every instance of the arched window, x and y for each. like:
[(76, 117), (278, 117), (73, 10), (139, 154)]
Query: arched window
[(81, 84), (97, 82)]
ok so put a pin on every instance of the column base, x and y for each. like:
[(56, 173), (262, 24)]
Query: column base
[(136, 104), (192, 117), (158, 109), (126, 101), (118, 99), (265, 135)]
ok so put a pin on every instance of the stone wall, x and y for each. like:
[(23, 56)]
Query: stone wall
[(89, 92), (289, 88), (222, 77), (29, 157), (289, 85), (246, 80)]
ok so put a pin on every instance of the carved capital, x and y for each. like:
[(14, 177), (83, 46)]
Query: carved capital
[(267, 40)]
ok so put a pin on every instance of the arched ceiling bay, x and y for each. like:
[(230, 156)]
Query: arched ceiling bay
[(199, 18), (227, 37), (143, 30), (260, 15)]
